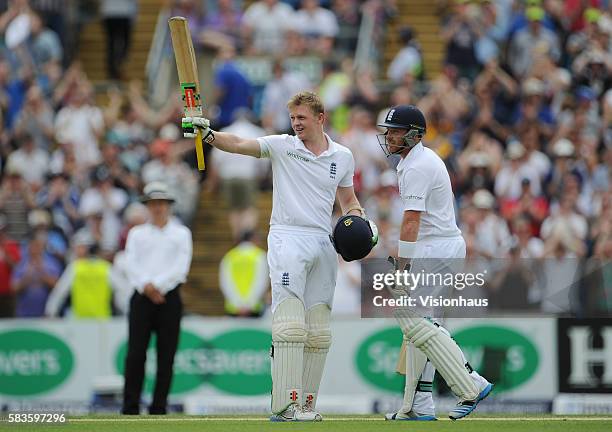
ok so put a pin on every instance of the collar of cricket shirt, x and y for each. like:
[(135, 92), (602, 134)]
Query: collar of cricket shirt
[(412, 154), (332, 147)]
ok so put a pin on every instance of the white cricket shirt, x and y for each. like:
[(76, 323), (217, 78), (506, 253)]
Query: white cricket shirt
[(304, 185), (161, 256), (425, 186)]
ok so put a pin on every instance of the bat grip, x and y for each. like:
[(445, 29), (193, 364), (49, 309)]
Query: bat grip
[(199, 150)]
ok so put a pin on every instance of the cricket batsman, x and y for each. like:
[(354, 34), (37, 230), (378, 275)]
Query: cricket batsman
[(309, 172), (428, 230)]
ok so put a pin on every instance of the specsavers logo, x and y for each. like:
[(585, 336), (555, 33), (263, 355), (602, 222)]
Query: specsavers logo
[(376, 360), (503, 355), (236, 362), (32, 362)]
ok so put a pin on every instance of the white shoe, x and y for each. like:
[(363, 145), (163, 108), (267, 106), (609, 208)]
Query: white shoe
[(410, 416), (308, 414), (295, 413)]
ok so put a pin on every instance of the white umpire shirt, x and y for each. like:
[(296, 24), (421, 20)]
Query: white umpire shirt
[(425, 186), (304, 185), (161, 256)]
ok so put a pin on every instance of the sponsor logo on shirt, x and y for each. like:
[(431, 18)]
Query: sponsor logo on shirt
[(413, 197), (297, 156), (285, 279), (332, 170)]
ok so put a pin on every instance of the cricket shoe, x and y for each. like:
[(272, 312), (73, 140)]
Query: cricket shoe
[(310, 414), (295, 413), (464, 408), (409, 416)]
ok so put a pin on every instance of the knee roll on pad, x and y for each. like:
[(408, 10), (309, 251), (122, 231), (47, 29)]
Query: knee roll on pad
[(289, 322), (318, 328), (421, 332)]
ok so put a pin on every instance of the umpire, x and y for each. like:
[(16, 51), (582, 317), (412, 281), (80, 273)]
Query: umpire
[(158, 256)]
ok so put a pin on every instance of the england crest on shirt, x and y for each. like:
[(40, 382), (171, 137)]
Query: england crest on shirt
[(332, 171)]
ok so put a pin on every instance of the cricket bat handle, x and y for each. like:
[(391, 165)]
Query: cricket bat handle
[(199, 150)]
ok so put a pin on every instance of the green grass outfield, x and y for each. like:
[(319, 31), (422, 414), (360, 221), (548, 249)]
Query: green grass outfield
[(475, 423)]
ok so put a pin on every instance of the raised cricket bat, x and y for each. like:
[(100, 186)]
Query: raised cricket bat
[(188, 77)]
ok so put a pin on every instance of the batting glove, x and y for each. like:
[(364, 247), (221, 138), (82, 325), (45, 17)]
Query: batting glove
[(189, 125)]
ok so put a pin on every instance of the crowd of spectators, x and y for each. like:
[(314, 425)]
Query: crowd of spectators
[(521, 114), (73, 163)]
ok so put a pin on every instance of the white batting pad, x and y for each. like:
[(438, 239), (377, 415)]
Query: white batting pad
[(415, 366), (441, 350), (288, 337), (317, 346)]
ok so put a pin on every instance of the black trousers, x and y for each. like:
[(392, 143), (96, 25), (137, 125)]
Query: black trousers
[(145, 318), (118, 35)]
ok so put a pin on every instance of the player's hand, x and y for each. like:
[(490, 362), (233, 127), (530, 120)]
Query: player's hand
[(189, 125), (153, 294)]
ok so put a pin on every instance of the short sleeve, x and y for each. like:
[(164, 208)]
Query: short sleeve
[(415, 187), (270, 145), (347, 179)]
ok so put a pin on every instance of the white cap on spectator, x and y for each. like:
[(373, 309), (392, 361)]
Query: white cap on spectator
[(532, 87), (479, 160), (563, 148), (515, 150), (92, 207), (169, 132), (83, 238), (388, 178), (483, 199), (38, 217)]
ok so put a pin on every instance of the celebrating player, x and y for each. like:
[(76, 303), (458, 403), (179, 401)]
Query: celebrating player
[(428, 230), (309, 172)]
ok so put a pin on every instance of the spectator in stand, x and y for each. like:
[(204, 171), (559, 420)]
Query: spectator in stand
[(565, 226), (102, 196), (535, 208), (118, 17), (166, 167), (531, 42), (509, 180), (318, 25), (232, 88), (33, 279), (348, 14), (460, 34), (44, 44), (237, 177), (61, 199), (408, 59), (16, 200), (81, 125), (243, 278), (492, 237), (385, 203), (56, 245), (530, 246), (226, 20), (277, 92), (10, 255), (534, 109), (563, 152), (36, 118), (266, 22), (361, 139), (30, 161)]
